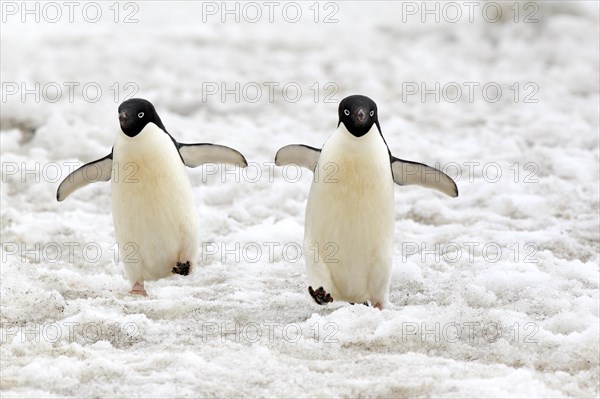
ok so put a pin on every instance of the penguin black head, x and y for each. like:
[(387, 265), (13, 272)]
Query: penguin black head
[(135, 114), (358, 114)]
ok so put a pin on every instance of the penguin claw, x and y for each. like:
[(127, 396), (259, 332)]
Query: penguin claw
[(138, 289), (182, 268), (320, 296)]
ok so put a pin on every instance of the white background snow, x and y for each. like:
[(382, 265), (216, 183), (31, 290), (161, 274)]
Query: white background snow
[(494, 294)]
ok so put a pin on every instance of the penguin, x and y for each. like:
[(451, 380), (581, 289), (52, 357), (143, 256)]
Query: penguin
[(349, 218), (153, 208)]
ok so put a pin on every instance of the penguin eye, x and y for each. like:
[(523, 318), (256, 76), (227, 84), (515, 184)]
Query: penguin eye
[(346, 112), (371, 113), (141, 115)]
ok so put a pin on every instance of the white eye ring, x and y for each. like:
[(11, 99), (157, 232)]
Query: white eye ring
[(141, 115), (346, 112), (371, 113)]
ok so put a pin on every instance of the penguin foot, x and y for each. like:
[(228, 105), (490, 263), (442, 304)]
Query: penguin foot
[(138, 289), (182, 268), (320, 296)]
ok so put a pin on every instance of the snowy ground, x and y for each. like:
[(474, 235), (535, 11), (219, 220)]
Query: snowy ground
[(494, 294)]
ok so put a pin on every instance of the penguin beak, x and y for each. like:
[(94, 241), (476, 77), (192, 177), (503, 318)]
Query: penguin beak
[(361, 115), (122, 117)]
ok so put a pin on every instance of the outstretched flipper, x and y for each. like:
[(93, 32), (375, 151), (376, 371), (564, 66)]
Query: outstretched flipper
[(408, 172), (320, 296), (194, 155), (298, 154), (98, 170)]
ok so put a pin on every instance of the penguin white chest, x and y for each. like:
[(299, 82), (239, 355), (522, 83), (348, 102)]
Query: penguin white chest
[(152, 204), (350, 216)]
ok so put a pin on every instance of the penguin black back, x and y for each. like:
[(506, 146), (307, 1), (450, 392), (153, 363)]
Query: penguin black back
[(135, 114), (358, 113)]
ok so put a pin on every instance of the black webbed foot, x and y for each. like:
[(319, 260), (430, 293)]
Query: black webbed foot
[(320, 296), (182, 268)]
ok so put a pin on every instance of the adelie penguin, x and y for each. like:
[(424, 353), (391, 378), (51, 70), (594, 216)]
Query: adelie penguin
[(152, 203), (349, 221)]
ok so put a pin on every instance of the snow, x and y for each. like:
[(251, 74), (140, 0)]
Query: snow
[(494, 294)]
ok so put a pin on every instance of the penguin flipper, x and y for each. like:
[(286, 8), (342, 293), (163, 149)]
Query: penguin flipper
[(409, 172), (194, 155), (98, 170), (298, 154)]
